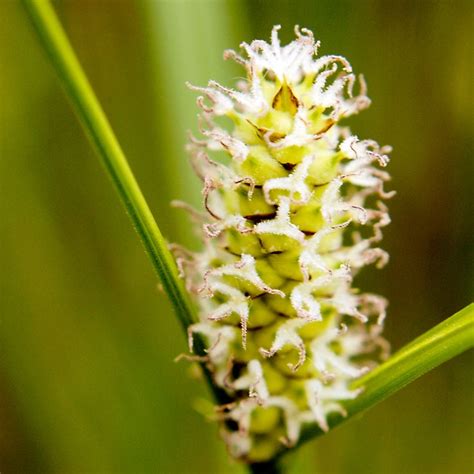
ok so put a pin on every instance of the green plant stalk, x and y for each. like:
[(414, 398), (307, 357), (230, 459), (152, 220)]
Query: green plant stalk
[(441, 343), (97, 127), (270, 467), (95, 122), (446, 340)]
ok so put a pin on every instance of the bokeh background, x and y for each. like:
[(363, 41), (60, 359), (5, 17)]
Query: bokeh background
[(87, 342)]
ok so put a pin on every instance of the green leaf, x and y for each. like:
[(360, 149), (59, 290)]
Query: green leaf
[(441, 343), (97, 127)]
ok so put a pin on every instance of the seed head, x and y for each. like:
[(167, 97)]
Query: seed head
[(293, 212)]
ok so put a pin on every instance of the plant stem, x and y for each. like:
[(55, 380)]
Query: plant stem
[(270, 467), (441, 343), (95, 122)]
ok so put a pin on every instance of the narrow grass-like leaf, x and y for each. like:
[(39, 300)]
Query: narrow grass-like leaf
[(95, 122), (441, 343)]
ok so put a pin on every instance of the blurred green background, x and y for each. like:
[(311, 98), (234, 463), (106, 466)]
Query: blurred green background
[(87, 342)]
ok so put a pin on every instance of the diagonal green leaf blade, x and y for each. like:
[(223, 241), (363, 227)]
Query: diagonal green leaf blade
[(97, 127), (436, 346)]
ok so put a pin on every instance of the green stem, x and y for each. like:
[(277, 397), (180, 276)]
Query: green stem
[(92, 117), (269, 467), (441, 343), (95, 122)]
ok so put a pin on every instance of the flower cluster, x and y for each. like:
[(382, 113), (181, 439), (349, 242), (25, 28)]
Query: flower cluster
[(293, 212)]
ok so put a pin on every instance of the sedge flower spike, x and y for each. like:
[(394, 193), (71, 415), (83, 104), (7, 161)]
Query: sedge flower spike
[(294, 211)]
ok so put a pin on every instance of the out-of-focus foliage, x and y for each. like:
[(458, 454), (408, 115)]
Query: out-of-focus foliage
[(87, 342)]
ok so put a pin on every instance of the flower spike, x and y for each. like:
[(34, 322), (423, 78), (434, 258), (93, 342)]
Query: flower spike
[(290, 221)]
